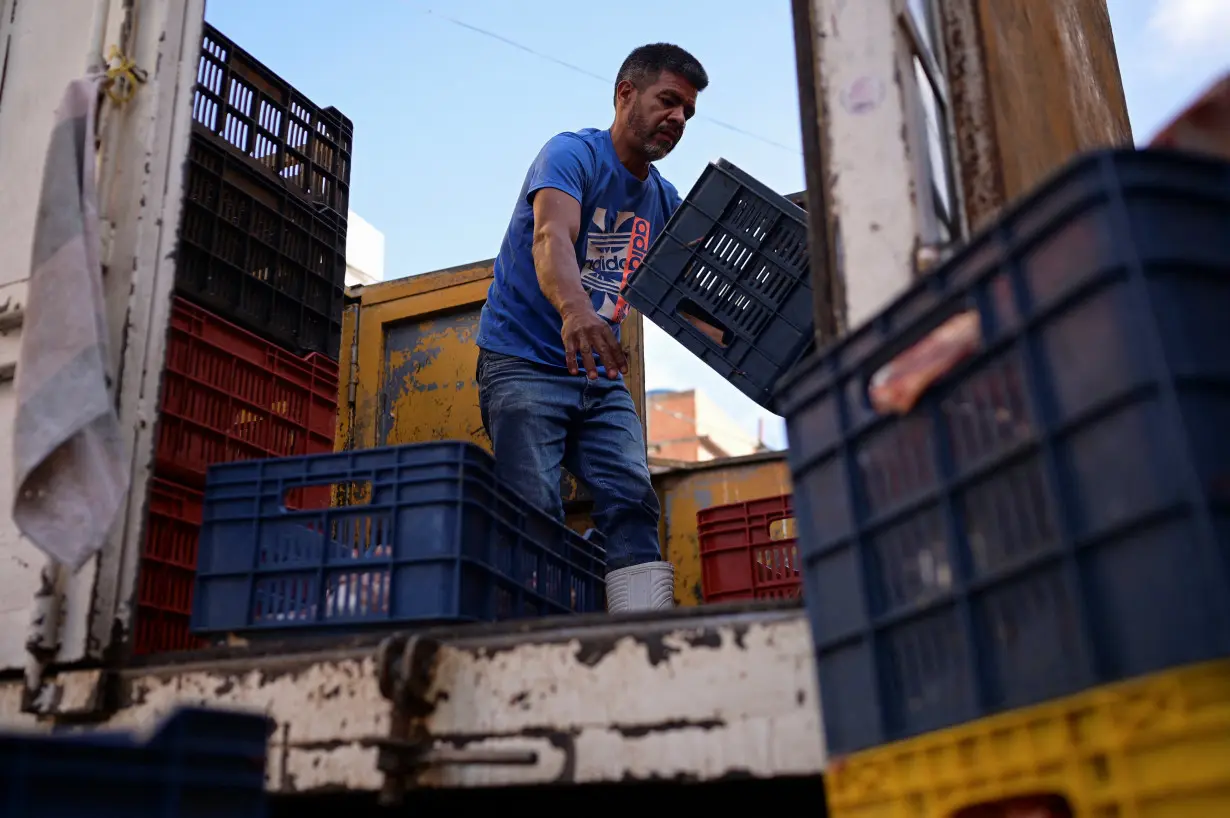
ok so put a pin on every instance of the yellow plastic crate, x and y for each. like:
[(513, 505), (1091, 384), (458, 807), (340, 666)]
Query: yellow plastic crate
[(1154, 747)]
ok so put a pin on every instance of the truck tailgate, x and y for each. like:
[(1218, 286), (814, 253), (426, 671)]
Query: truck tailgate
[(694, 694)]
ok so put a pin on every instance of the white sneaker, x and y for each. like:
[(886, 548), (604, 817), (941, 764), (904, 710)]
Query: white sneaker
[(649, 586)]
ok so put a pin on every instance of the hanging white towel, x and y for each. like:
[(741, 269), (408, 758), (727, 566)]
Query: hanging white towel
[(70, 475)]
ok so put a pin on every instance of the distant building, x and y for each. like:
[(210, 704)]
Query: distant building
[(686, 426), (364, 252)]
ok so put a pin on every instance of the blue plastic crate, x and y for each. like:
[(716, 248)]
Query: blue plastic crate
[(429, 535), (734, 257), (199, 764), (1055, 513)]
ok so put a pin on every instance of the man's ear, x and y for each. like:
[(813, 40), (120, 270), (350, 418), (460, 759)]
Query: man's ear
[(624, 92)]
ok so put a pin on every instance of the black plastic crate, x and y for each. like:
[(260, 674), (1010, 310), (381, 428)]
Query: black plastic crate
[(200, 763), (251, 110), (733, 256), (259, 256), (1054, 514), (429, 535)]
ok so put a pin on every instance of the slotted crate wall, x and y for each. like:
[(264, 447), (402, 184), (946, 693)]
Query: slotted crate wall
[(251, 366), (749, 551), (168, 569), (729, 279), (1052, 514), (260, 256), (228, 395), (239, 102), (433, 536)]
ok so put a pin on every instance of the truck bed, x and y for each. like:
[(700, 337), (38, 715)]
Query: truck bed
[(696, 694)]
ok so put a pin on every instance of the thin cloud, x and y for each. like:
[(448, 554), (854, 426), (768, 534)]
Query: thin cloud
[(1192, 28)]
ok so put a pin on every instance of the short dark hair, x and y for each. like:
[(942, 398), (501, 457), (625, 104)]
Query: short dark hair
[(644, 64)]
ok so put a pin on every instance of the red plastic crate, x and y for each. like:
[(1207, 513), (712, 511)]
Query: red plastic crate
[(748, 551), (161, 632), (168, 569), (230, 395)]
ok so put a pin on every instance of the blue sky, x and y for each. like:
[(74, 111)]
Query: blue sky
[(447, 118)]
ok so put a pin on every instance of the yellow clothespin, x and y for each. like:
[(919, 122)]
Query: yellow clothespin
[(123, 76)]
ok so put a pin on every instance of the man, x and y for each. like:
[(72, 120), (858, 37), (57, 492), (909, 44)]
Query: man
[(550, 367)]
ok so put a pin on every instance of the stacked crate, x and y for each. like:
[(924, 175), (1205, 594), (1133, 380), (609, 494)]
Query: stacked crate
[(1014, 532), (437, 538), (1014, 525), (251, 367)]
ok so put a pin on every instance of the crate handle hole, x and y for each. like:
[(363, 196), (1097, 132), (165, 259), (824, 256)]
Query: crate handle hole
[(317, 496), (704, 322), (783, 529), (896, 386)]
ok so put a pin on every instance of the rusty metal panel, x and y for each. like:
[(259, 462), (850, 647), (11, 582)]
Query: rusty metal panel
[(733, 692), (411, 344), (684, 704), (326, 705), (348, 376), (428, 390), (698, 694), (1032, 85), (140, 172), (828, 285), (325, 708), (685, 491)]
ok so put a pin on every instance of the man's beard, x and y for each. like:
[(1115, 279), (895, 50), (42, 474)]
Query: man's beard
[(640, 128)]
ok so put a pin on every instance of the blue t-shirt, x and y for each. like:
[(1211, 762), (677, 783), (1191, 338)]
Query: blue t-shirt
[(620, 217)]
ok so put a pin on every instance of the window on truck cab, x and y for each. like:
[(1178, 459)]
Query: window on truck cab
[(926, 84)]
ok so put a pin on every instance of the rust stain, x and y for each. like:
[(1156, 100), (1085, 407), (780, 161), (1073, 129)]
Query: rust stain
[(1050, 88), (978, 170), (430, 390)]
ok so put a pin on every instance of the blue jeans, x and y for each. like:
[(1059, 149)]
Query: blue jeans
[(541, 417)]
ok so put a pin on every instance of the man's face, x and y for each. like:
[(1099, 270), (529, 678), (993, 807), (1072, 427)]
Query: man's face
[(658, 114)]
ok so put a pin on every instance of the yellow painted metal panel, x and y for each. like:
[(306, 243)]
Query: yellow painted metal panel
[(343, 440), (408, 348), (1156, 746), (427, 386), (685, 491), (415, 357)]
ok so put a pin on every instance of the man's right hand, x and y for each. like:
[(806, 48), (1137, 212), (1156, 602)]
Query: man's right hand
[(586, 333)]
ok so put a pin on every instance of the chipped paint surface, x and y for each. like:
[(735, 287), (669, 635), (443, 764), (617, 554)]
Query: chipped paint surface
[(409, 348), (684, 492), (11, 716), (323, 710), (45, 46), (687, 697), (430, 392), (979, 173), (689, 704), (866, 138)]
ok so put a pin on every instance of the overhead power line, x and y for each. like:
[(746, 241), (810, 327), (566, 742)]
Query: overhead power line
[(587, 73)]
